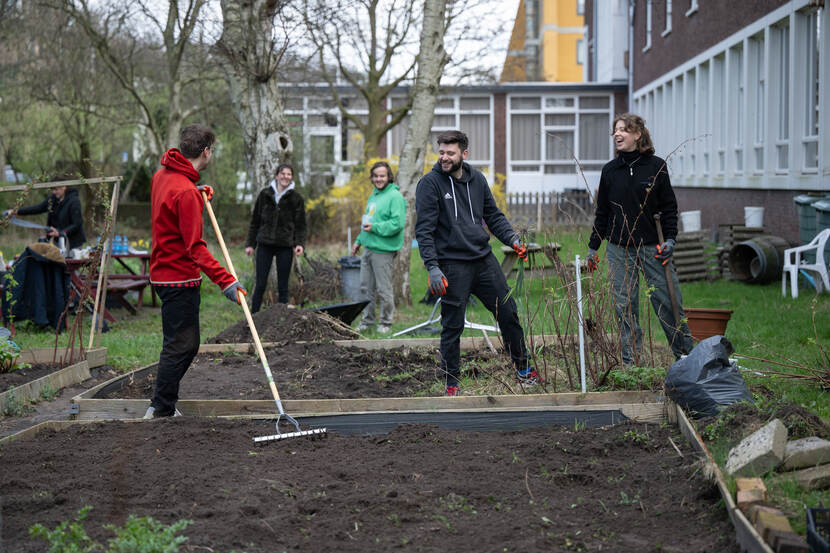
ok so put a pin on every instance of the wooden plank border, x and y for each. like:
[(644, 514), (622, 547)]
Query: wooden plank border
[(96, 357), (746, 535), (54, 381), (468, 343)]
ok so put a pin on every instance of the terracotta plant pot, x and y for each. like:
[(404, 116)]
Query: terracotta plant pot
[(704, 323)]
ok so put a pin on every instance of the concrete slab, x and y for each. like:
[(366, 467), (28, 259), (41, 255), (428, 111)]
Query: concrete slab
[(813, 478), (760, 452), (806, 452)]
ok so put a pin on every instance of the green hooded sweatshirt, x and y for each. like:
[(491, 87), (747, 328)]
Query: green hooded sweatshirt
[(387, 210)]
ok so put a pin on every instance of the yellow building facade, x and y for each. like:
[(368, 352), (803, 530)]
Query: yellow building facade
[(546, 43)]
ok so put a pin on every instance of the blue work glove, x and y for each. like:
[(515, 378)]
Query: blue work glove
[(230, 292), (665, 251), (207, 189), (437, 282), (592, 260)]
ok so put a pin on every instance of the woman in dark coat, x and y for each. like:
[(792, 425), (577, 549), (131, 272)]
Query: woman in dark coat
[(277, 229), (633, 188), (64, 218)]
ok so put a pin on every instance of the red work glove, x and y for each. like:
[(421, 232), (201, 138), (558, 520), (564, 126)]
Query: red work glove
[(520, 249), (592, 260), (437, 282), (207, 189)]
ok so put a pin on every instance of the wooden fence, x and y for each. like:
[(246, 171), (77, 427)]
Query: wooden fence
[(535, 210)]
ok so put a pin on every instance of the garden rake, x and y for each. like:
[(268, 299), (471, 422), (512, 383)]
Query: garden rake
[(282, 415)]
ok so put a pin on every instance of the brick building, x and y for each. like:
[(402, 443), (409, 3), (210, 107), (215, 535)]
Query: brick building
[(733, 94)]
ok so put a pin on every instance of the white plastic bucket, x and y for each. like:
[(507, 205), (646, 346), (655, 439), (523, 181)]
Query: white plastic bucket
[(690, 220), (754, 216)]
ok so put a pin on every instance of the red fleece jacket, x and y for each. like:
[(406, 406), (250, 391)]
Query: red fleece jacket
[(179, 252)]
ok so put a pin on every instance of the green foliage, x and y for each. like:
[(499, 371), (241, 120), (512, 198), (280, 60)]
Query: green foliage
[(67, 537), (9, 355), (138, 535), (146, 535), (16, 406), (637, 378)]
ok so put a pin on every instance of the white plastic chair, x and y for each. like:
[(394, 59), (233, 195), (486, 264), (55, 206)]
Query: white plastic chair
[(793, 263)]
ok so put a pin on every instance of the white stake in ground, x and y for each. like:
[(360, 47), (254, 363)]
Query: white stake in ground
[(579, 325)]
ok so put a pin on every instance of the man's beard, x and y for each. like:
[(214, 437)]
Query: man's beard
[(453, 168)]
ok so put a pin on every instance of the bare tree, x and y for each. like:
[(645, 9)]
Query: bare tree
[(361, 43), (250, 56), (432, 59), (114, 34)]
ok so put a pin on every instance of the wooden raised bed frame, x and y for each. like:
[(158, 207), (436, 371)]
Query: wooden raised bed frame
[(72, 374)]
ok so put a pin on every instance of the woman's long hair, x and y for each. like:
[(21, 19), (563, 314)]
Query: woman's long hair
[(634, 124)]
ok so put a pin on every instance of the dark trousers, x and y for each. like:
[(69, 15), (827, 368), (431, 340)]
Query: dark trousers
[(484, 279), (180, 328), (264, 255)]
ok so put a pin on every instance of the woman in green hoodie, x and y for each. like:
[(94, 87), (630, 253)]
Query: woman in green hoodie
[(382, 235)]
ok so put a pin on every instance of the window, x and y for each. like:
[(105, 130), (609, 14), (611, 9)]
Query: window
[(545, 140), (781, 69), (719, 84), (580, 52), (757, 78), (811, 101), (580, 7), (648, 26), (736, 107), (667, 30)]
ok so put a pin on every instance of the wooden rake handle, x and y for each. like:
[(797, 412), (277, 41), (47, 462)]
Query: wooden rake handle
[(669, 282), (243, 303)]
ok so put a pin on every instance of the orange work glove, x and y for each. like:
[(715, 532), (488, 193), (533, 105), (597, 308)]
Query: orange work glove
[(520, 249), (207, 190)]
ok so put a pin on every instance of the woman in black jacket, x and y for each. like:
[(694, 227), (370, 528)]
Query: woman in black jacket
[(633, 188), (277, 229), (63, 207)]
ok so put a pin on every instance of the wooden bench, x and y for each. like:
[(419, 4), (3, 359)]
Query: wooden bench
[(119, 285), (550, 250)]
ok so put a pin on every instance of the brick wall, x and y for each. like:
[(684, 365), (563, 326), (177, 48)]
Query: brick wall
[(714, 21), (719, 206)]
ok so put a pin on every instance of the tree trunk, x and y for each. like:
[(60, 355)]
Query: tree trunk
[(249, 64), (432, 58)]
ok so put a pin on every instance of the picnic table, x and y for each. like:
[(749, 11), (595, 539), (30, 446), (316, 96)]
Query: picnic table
[(551, 249), (118, 284)]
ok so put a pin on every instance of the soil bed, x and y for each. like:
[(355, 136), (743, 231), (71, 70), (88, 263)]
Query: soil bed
[(280, 322), (418, 488), (305, 371), (22, 376)]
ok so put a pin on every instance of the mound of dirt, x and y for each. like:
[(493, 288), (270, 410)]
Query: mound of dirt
[(313, 371), (739, 420), (281, 323)]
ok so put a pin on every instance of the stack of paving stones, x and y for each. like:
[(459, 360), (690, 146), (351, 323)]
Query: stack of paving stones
[(729, 236), (689, 256), (806, 461)]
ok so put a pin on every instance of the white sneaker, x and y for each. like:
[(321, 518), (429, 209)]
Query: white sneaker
[(177, 413), (363, 326), (384, 329), (149, 413)]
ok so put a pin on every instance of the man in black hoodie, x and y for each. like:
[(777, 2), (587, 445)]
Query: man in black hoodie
[(453, 201), (64, 218)]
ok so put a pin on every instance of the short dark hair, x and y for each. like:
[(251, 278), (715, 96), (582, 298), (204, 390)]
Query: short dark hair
[(389, 172), (282, 166), (193, 139), (453, 137)]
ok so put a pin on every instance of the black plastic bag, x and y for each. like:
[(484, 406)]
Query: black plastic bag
[(705, 380)]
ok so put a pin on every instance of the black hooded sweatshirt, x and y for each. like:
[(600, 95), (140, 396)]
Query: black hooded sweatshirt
[(450, 212), (65, 215), (632, 188)]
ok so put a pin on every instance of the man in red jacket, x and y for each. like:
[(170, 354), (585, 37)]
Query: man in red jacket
[(179, 257)]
